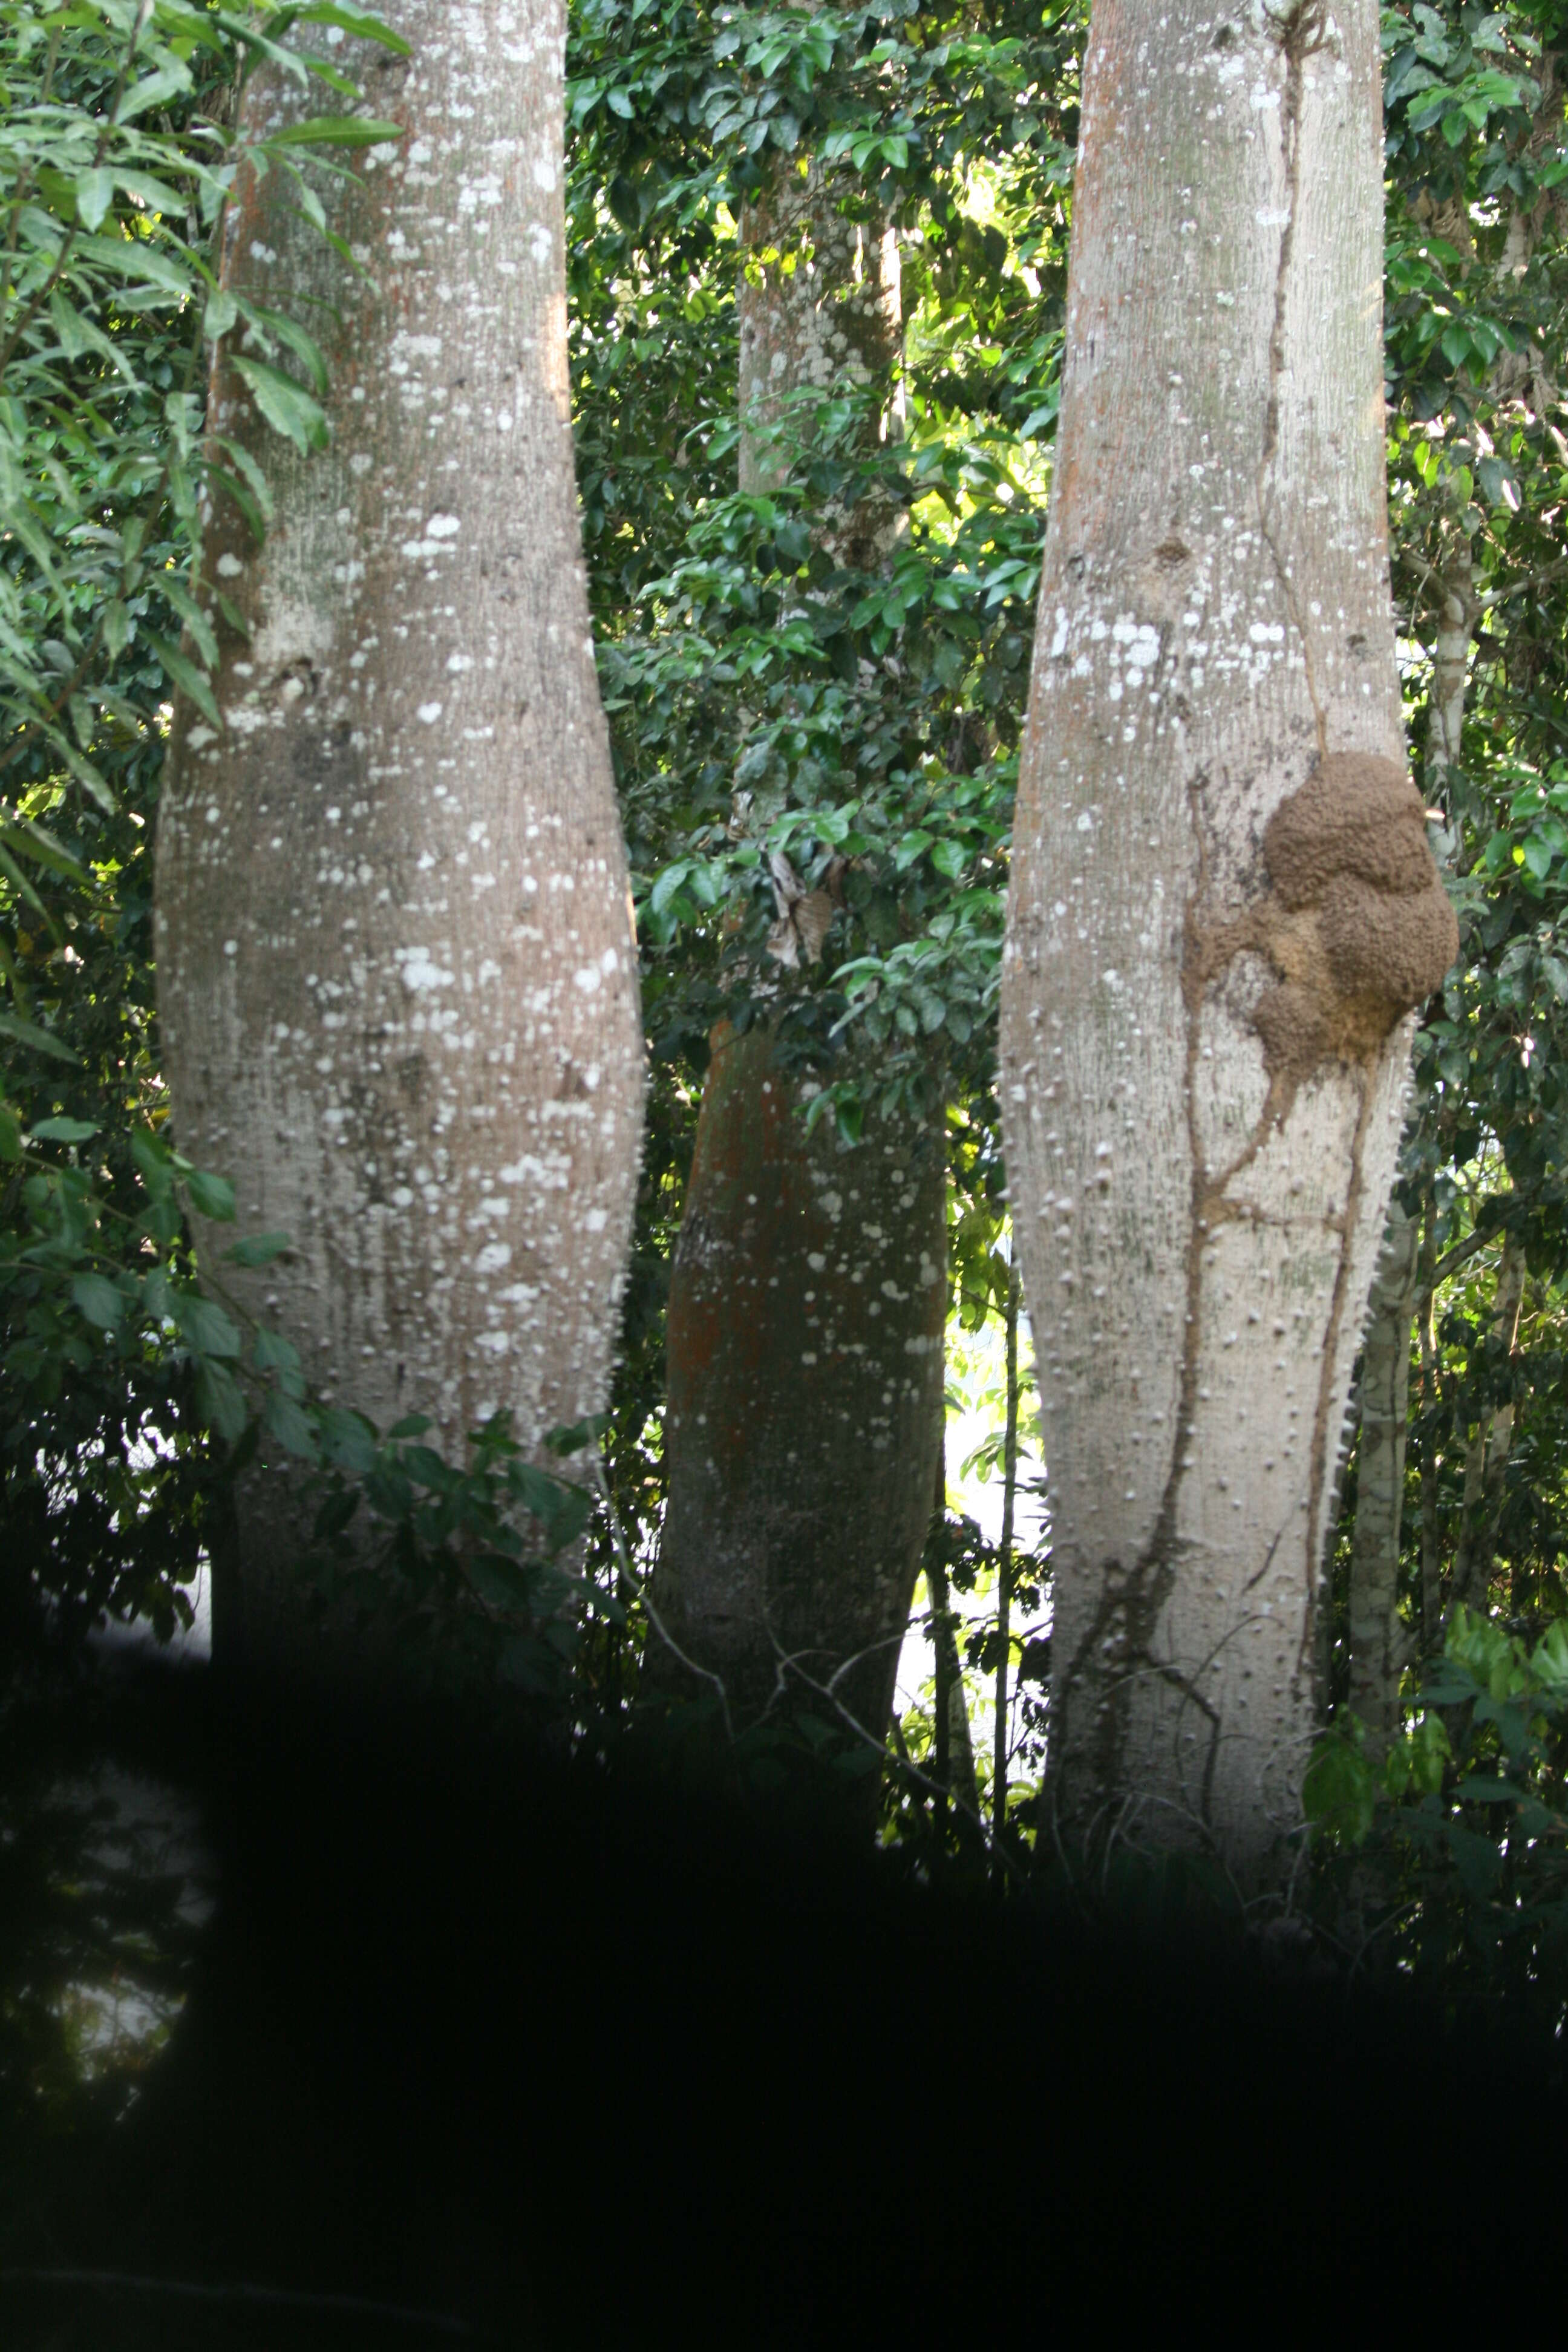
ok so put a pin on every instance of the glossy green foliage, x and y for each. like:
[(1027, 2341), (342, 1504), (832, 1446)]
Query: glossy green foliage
[(784, 725), (116, 158), (1462, 1826)]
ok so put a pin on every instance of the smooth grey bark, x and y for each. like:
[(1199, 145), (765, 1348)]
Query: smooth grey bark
[(805, 1351), (397, 981), (1223, 907), (1377, 1638)]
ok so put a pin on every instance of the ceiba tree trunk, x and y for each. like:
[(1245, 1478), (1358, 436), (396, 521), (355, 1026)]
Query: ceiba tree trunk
[(1223, 907), (395, 959), (808, 1294), (1377, 1643)]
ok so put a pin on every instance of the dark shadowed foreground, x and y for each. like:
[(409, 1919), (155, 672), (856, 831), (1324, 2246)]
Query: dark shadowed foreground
[(481, 2049)]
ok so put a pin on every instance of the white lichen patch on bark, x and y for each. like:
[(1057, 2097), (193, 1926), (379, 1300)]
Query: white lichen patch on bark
[(1215, 622), (384, 891)]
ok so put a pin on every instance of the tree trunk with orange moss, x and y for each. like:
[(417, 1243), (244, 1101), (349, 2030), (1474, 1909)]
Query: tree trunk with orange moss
[(805, 1403), (808, 1290), (1223, 908), (395, 962)]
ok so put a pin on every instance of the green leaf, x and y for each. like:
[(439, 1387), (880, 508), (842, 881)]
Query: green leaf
[(198, 622), (666, 884), (27, 1033), (63, 1130), (571, 1440), (349, 1441), (137, 260), (98, 1300), (168, 82), (292, 1427), (950, 858), (186, 677), (1549, 1660), (30, 838), (1339, 1794), (287, 406), (257, 1249), (94, 195), (220, 1402), (155, 1161), (252, 473), (363, 26), (86, 775), (79, 335), (221, 312), (412, 1425), (271, 1352), (292, 336), (504, 1583), (337, 131), (425, 1467), (211, 1196), (204, 1326), (1476, 1858)]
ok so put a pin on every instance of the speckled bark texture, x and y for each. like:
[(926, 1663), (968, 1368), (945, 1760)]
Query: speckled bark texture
[(1220, 911), (806, 1308), (395, 959), (820, 311)]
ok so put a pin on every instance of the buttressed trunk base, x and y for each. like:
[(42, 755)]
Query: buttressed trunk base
[(1223, 907)]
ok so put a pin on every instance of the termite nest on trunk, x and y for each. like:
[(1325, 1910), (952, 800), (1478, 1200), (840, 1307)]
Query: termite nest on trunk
[(1355, 926)]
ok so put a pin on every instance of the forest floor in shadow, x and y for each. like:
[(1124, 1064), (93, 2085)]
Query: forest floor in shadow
[(475, 2046)]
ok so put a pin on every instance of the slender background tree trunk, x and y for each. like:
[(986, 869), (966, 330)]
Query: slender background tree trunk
[(1486, 1451), (1222, 906), (1431, 1559), (806, 1300), (1004, 1551), (1377, 1637), (955, 1755), (396, 969), (805, 1401)]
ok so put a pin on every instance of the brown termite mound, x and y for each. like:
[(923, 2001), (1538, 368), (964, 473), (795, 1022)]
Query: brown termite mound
[(1356, 925)]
